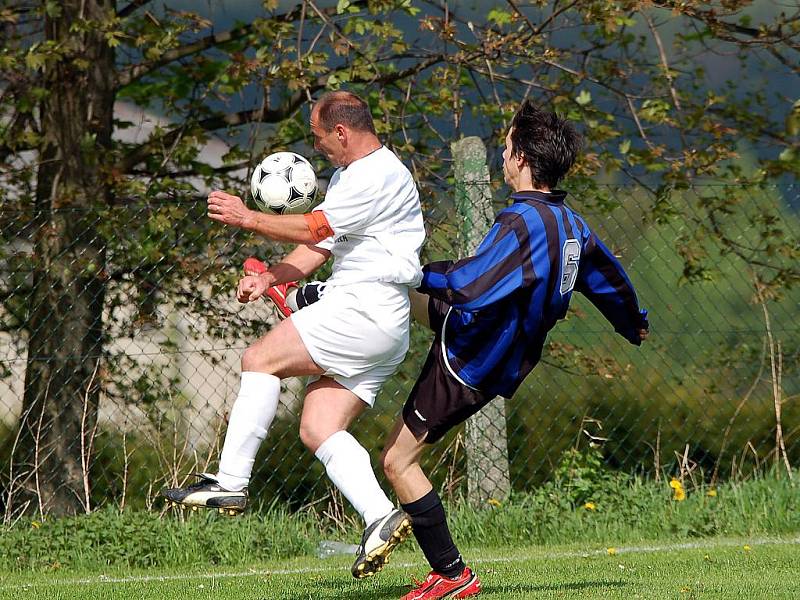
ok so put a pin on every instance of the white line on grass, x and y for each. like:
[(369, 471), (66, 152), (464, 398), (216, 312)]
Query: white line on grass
[(724, 543)]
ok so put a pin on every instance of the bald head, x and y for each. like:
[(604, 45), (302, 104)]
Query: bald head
[(341, 124), (344, 108)]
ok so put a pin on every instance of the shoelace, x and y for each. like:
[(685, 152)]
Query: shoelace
[(419, 584), (203, 481)]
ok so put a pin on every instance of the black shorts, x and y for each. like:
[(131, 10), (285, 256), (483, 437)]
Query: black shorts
[(438, 401)]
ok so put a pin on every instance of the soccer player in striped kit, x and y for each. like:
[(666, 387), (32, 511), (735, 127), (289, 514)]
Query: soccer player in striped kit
[(491, 313)]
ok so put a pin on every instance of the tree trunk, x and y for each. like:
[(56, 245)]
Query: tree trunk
[(65, 325)]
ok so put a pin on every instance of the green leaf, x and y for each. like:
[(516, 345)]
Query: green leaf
[(655, 110), (35, 60), (342, 6), (499, 16), (52, 9), (788, 155), (625, 146), (584, 98), (793, 120)]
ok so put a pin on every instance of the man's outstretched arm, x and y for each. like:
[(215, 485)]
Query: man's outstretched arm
[(299, 229), (604, 282)]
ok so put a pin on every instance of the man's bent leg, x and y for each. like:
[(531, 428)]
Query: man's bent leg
[(328, 411), (280, 353), (249, 421), (400, 461)]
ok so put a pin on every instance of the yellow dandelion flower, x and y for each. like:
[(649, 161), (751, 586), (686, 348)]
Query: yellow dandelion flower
[(678, 492), (746, 548), (590, 506), (712, 493), (611, 551), (36, 524), (494, 502)]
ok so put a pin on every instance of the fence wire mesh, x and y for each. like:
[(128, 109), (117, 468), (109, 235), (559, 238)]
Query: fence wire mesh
[(120, 347)]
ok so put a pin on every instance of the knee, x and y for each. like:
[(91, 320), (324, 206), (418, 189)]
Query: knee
[(254, 359), (312, 436), (392, 464)]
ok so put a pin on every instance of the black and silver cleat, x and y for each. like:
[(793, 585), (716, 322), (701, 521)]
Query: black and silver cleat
[(207, 493)]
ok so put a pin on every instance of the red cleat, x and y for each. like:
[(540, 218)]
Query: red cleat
[(438, 586), (277, 293)]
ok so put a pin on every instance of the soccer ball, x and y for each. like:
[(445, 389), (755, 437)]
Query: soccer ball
[(284, 183)]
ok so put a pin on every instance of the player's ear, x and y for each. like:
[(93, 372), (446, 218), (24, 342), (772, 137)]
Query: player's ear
[(341, 132)]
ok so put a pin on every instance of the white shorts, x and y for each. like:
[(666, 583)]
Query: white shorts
[(358, 333)]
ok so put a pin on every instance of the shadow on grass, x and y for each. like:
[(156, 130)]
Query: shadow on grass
[(517, 588), (488, 590)]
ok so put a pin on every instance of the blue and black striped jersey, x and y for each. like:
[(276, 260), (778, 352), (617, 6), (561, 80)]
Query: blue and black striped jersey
[(506, 298)]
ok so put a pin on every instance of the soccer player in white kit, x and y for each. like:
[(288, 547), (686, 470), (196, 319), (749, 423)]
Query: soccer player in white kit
[(350, 341)]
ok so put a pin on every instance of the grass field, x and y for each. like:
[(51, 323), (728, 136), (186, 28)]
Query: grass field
[(738, 541), (734, 568)]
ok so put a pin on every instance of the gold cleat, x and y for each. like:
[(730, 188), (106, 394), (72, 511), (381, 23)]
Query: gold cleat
[(379, 541)]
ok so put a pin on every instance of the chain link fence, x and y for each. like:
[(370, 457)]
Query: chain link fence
[(714, 390)]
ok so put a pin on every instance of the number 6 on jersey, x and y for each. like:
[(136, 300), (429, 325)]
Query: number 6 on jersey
[(570, 257)]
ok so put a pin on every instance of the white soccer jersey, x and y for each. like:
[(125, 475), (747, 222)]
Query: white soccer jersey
[(372, 205)]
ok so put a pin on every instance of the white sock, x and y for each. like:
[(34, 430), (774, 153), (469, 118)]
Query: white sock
[(252, 414), (291, 300), (348, 467)]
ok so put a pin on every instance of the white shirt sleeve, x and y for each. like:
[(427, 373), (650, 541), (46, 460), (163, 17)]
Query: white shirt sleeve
[(325, 244), (348, 205)]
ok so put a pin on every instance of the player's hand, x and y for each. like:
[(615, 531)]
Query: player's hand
[(227, 209), (253, 266), (253, 287)]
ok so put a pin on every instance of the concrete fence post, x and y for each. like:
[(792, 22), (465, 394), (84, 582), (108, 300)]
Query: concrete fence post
[(486, 436)]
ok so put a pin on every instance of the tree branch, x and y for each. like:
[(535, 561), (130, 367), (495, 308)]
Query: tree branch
[(128, 10), (553, 17), (137, 71), (710, 19), (260, 115), (134, 72), (667, 74), (521, 14), (792, 66)]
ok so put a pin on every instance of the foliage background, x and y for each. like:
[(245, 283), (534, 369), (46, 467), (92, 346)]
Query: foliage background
[(120, 336)]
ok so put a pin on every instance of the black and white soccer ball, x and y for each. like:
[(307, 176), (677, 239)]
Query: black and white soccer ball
[(284, 183)]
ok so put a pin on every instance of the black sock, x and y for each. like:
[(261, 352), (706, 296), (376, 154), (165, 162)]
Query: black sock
[(430, 528)]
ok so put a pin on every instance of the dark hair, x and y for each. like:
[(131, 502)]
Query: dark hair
[(344, 108), (548, 143)]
